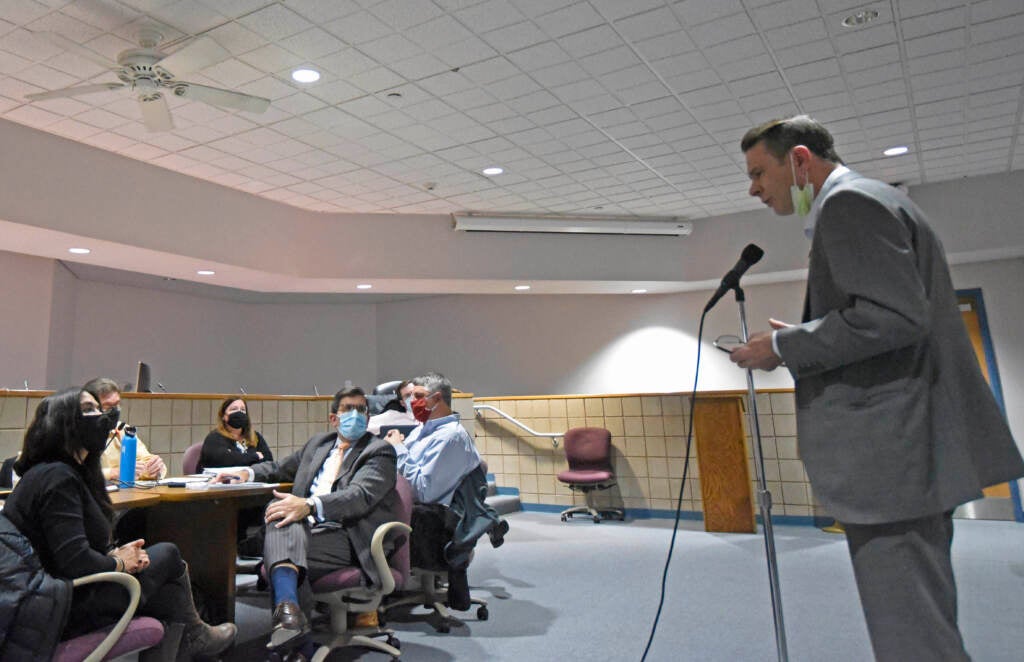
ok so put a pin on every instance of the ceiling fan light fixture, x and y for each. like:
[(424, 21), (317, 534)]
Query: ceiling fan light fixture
[(305, 75)]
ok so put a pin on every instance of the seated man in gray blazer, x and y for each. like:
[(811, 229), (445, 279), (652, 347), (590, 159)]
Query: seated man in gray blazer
[(344, 488)]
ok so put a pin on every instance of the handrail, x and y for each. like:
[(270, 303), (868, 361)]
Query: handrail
[(551, 435)]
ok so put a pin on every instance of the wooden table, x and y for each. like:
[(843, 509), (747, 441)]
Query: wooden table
[(204, 526)]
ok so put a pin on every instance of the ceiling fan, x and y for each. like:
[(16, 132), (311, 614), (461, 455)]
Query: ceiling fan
[(146, 72)]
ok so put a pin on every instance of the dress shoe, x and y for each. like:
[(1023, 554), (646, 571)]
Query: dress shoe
[(497, 533), (289, 622), (202, 640)]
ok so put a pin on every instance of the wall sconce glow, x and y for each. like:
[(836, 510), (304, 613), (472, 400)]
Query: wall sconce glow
[(305, 75), (363, 286), (640, 291), (896, 151), (522, 288), (206, 272), (79, 251), (492, 171)]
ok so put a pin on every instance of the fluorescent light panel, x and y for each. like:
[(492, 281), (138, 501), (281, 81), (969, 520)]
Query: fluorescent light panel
[(571, 225)]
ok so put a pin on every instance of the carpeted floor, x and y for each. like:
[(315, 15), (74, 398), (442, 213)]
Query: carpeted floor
[(580, 591)]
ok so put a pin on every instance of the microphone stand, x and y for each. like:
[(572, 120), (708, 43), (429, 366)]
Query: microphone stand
[(764, 497)]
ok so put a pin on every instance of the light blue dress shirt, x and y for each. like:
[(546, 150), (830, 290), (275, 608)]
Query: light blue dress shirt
[(435, 457)]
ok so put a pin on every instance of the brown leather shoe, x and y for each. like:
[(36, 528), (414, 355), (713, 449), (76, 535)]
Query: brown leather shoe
[(289, 622), (201, 639)]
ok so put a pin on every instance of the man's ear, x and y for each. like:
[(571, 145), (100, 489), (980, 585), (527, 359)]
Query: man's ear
[(801, 156)]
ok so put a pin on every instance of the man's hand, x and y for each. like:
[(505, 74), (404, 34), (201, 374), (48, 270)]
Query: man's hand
[(287, 509), (149, 468), (394, 436), (757, 354), (230, 477)]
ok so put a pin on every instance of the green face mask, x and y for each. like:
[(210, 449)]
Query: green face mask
[(803, 196)]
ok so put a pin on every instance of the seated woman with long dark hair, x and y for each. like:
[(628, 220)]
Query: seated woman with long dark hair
[(61, 505), (233, 443)]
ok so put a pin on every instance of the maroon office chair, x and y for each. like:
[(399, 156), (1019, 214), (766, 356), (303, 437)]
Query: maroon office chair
[(190, 459), (588, 451), (128, 635), (343, 590)]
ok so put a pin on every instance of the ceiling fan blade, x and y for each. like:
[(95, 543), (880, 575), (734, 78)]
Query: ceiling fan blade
[(74, 91), (216, 96), (197, 55), (61, 41), (155, 114)]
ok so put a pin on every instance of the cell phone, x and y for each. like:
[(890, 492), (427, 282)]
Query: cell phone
[(728, 343)]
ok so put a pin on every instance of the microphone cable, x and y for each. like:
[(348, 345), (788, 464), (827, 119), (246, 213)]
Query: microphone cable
[(682, 487)]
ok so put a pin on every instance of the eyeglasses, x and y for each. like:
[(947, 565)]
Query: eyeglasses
[(728, 343), (344, 409)]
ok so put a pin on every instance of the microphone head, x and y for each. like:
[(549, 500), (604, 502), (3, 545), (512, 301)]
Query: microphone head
[(752, 253)]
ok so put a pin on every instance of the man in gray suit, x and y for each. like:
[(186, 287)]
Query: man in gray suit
[(344, 488), (896, 423)]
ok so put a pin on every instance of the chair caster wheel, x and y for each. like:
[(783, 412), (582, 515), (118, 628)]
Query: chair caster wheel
[(597, 520), (482, 614), (444, 628), (565, 518), (393, 641)]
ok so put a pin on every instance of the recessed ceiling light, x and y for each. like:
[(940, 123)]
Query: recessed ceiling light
[(522, 288), (363, 286), (640, 291), (305, 75), (206, 272), (896, 151), (860, 18), (79, 251), (492, 171)]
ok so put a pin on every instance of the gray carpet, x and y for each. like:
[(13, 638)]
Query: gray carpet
[(576, 590)]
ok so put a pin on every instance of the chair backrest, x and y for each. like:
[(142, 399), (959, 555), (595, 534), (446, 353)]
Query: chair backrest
[(399, 559), (190, 460), (588, 449)]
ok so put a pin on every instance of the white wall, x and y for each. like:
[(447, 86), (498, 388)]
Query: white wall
[(195, 344), (62, 326), (25, 301)]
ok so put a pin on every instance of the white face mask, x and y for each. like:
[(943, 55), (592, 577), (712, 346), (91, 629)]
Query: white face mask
[(802, 196)]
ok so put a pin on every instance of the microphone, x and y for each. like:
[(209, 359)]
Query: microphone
[(750, 256), (161, 387)]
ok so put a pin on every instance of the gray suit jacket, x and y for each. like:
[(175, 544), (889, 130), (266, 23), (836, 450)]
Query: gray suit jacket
[(362, 498), (895, 419)]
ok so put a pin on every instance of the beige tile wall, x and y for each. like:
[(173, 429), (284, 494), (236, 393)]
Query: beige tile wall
[(649, 440), (168, 425)]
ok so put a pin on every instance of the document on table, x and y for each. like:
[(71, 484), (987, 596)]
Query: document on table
[(227, 486)]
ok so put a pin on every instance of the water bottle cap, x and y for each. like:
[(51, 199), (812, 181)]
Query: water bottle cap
[(129, 429)]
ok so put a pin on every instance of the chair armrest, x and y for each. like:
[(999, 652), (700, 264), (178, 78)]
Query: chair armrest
[(380, 561), (134, 592)]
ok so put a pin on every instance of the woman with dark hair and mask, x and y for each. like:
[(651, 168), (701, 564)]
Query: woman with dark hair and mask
[(61, 505), (233, 443)]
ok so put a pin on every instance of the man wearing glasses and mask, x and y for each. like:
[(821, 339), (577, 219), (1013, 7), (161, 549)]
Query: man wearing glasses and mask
[(147, 465), (347, 475)]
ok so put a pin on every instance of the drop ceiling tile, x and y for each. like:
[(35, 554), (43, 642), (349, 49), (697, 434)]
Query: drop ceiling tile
[(489, 15), (571, 19), (1005, 27), (515, 37), (736, 50), (274, 22), (810, 52), (647, 25), (662, 46), (189, 16), (796, 34), (232, 73), (696, 13), (994, 49), (401, 15)]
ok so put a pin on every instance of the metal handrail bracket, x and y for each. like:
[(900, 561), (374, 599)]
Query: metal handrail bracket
[(551, 435)]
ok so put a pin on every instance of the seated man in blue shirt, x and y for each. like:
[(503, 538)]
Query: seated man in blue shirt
[(439, 453)]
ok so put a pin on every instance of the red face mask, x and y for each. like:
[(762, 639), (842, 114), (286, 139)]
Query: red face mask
[(419, 410)]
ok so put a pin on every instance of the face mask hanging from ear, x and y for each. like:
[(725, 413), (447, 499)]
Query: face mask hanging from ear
[(803, 196)]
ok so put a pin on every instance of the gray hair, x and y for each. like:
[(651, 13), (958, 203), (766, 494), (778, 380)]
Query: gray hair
[(435, 381)]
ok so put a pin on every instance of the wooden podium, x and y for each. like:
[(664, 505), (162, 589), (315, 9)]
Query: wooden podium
[(722, 456)]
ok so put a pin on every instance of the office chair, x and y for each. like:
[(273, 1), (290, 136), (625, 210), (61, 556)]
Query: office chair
[(588, 451), (128, 635), (442, 543), (342, 590), (190, 459)]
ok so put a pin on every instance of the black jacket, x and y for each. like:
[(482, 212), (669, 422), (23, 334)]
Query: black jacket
[(34, 606)]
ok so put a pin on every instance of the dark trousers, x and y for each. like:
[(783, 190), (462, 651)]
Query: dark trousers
[(905, 579), (166, 595)]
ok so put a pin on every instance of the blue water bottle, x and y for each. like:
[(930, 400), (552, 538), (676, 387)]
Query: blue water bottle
[(128, 444)]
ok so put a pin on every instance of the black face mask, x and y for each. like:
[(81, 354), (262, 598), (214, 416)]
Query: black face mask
[(95, 430), (238, 420)]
